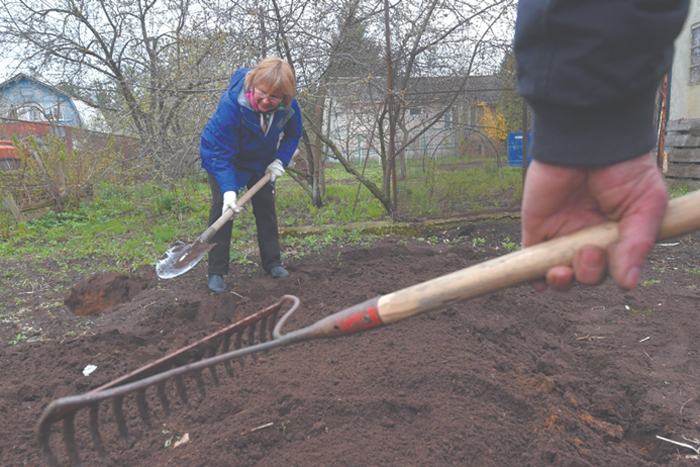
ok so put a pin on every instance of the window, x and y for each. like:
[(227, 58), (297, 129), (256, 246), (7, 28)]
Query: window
[(414, 111), (25, 113), (695, 55), (54, 113)]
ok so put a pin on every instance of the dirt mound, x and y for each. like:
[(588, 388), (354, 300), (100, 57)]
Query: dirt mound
[(512, 379), (103, 291)]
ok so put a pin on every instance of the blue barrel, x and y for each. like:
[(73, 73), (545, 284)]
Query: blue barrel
[(515, 148)]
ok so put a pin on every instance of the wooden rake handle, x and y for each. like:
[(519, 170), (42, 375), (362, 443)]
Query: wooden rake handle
[(682, 216), (228, 215)]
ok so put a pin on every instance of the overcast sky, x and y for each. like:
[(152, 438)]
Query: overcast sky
[(7, 69)]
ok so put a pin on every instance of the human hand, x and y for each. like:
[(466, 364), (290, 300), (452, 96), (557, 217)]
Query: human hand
[(276, 169), (558, 200), (230, 202)]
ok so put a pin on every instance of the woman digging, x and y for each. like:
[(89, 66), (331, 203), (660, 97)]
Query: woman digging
[(255, 130)]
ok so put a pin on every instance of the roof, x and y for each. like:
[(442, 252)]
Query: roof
[(89, 115), (20, 76), (423, 90)]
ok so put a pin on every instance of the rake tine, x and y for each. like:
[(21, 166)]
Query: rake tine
[(142, 405), (271, 327), (117, 409), (251, 340), (164, 402), (198, 376), (69, 439), (272, 323), (237, 345), (200, 384), (95, 429), (43, 441), (225, 346), (181, 389), (262, 335), (212, 369)]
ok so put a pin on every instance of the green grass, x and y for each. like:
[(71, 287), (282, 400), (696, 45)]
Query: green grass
[(431, 194), (125, 226), (677, 191)]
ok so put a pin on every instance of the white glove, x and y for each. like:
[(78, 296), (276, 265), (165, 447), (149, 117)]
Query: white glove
[(276, 169), (230, 202)]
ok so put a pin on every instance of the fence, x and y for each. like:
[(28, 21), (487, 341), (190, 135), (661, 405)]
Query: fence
[(56, 179), (73, 138)]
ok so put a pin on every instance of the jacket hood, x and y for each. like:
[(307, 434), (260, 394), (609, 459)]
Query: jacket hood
[(242, 101), (236, 90)]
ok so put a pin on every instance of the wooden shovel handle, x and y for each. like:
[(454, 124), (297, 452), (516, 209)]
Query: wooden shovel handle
[(682, 216), (228, 215)]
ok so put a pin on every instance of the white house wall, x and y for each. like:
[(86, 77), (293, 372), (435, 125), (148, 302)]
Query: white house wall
[(685, 95), (352, 124)]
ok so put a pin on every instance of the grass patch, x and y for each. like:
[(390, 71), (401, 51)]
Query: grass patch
[(678, 191), (128, 225)]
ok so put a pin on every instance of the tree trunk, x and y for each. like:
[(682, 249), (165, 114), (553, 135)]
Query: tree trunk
[(371, 186), (317, 155)]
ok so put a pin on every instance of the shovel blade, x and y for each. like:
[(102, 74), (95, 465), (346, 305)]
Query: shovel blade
[(181, 258)]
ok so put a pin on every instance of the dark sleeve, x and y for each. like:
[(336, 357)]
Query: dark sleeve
[(590, 70)]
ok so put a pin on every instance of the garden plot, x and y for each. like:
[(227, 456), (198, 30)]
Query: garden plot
[(592, 377)]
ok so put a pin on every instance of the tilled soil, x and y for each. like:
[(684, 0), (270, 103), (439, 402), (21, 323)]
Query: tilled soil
[(514, 378)]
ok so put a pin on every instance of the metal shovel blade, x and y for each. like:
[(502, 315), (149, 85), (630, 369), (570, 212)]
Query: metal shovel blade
[(181, 258)]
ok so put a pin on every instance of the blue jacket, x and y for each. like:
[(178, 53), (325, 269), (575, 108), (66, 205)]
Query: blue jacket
[(234, 147), (590, 70)]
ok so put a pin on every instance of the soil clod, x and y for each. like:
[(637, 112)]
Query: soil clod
[(103, 291)]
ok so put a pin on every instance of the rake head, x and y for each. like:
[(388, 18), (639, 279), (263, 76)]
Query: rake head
[(257, 332)]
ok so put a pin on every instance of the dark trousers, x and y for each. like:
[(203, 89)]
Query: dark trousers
[(265, 213)]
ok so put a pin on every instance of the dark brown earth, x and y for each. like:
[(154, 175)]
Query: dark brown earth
[(104, 291), (515, 378)]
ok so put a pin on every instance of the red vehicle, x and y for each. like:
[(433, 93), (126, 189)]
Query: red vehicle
[(8, 155)]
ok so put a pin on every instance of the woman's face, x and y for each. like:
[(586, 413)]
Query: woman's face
[(265, 99)]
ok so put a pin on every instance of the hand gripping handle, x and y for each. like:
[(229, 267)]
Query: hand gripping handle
[(228, 215)]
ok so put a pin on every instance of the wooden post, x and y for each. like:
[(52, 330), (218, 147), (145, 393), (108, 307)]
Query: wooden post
[(11, 205), (392, 122), (661, 161), (69, 138)]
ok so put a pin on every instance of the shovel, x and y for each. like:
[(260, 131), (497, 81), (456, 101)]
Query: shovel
[(182, 257)]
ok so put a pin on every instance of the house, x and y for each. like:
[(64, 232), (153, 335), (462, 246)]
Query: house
[(682, 139), (353, 105), (28, 99), (30, 108)]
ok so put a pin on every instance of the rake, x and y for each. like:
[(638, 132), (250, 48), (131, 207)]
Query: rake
[(682, 216), (192, 359)]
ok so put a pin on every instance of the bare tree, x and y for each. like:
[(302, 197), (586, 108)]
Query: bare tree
[(431, 41), (330, 40), (149, 64), (158, 67)]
